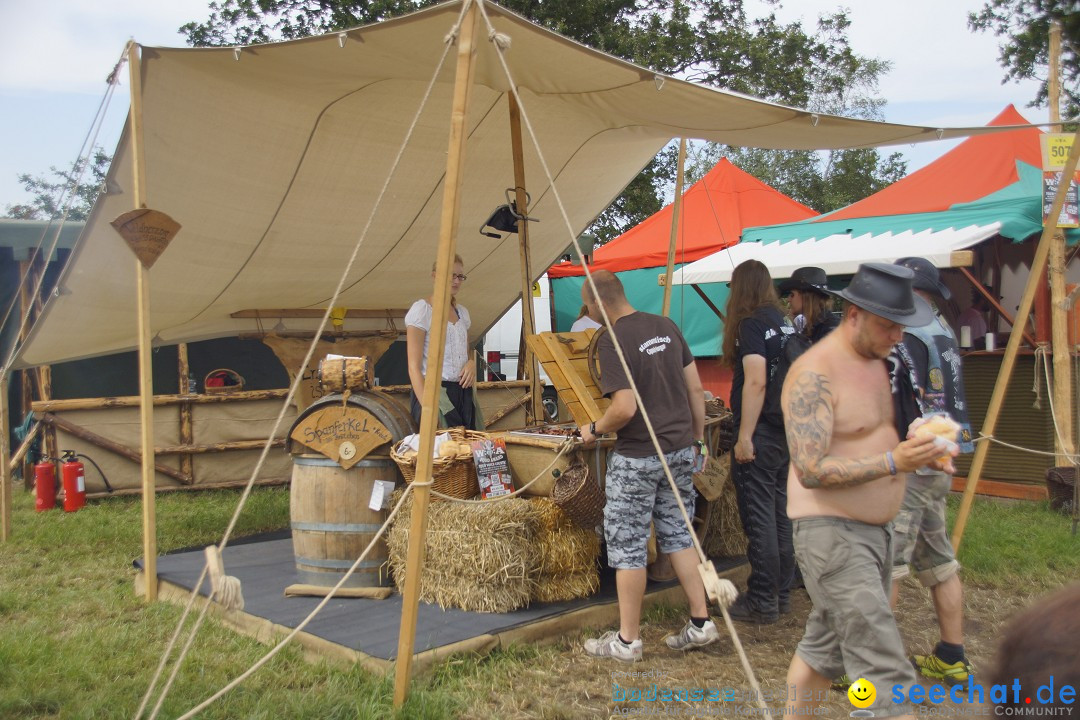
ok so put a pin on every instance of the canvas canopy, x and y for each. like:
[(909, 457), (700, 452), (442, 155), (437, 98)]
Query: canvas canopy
[(272, 157), (986, 186)]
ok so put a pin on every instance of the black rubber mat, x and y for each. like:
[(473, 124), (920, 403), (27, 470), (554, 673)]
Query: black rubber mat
[(265, 566)]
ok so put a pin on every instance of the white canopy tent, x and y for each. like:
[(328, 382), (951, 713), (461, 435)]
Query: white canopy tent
[(839, 254), (271, 157)]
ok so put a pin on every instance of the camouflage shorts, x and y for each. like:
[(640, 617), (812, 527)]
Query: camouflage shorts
[(922, 537), (637, 492)]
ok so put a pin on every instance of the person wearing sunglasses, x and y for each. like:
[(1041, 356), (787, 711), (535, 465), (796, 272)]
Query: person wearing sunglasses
[(458, 372)]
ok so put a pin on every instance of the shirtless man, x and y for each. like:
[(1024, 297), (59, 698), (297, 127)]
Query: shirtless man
[(845, 485)]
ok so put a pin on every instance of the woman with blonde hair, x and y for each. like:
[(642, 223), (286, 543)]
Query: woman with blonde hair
[(754, 328), (458, 370)]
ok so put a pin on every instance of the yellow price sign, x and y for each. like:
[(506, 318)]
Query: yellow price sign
[(1055, 150)]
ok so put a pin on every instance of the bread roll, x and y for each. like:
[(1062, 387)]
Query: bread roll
[(941, 426)]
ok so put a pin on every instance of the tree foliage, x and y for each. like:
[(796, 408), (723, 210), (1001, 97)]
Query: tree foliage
[(707, 41), (51, 194), (1024, 29)]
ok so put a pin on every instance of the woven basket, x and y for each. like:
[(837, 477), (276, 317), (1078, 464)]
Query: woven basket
[(1060, 482), (231, 380), (578, 495), (454, 476)]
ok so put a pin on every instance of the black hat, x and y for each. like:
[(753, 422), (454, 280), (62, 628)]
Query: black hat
[(927, 276), (886, 290), (806, 278)]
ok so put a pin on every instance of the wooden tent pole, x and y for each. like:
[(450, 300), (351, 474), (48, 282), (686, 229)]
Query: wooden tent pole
[(676, 212), (187, 429), (5, 452), (997, 399), (534, 411), (444, 266), (1059, 315), (146, 393)]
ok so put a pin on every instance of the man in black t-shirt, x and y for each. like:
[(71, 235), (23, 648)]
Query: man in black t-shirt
[(638, 491)]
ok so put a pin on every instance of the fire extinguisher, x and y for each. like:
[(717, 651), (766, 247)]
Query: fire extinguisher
[(73, 475), (44, 485)]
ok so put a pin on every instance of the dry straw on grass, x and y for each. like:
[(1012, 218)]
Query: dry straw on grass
[(480, 557), (567, 556)]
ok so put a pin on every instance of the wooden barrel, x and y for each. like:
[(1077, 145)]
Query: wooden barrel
[(332, 523), (346, 373)]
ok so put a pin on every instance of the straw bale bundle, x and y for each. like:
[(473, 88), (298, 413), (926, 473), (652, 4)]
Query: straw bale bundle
[(479, 557), (567, 556), (723, 534), (559, 588)]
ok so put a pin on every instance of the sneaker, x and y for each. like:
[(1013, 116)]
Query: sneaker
[(691, 636), (609, 645), (842, 683), (740, 610), (931, 666)]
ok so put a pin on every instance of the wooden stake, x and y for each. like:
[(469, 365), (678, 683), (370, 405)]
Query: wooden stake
[(24, 448), (5, 451), (676, 213), (1059, 315), (534, 411), (444, 266), (997, 399), (187, 429)]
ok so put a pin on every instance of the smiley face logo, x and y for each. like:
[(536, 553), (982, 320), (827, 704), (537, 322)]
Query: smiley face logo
[(862, 693)]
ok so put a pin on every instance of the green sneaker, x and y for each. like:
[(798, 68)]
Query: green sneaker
[(841, 684), (931, 666)]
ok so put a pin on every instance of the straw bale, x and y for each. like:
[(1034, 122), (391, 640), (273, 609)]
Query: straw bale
[(563, 547), (723, 535), (479, 557), (557, 588)]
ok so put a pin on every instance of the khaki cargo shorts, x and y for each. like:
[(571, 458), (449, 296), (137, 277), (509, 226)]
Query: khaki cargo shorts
[(847, 568), (922, 536)]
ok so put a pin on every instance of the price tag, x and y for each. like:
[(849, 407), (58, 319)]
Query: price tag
[(1055, 150), (380, 492)]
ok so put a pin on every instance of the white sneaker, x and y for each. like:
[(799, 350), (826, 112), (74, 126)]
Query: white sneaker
[(609, 645), (691, 636)]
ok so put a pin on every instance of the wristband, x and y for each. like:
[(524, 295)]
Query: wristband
[(891, 463), (592, 429)]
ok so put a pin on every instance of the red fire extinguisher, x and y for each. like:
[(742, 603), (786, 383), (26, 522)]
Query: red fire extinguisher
[(74, 478), (44, 485)]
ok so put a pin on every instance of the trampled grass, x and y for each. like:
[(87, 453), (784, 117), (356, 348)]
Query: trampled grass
[(76, 642)]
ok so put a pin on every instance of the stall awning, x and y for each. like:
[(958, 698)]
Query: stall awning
[(839, 254)]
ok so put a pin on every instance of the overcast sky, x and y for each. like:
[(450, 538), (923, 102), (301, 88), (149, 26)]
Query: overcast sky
[(55, 55)]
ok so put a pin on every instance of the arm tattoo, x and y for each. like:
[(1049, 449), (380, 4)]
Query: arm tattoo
[(808, 420)]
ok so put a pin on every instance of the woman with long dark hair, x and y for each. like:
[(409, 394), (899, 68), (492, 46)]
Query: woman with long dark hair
[(810, 302), (754, 328)]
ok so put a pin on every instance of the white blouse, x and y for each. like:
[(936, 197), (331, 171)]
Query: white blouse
[(456, 353)]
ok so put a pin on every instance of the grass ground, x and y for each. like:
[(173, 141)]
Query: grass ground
[(75, 641)]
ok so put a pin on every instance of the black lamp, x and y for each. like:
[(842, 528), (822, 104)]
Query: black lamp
[(505, 217)]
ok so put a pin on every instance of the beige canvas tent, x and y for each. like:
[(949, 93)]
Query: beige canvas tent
[(271, 157)]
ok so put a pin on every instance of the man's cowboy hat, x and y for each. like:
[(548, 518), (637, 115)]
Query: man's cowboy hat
[(886, 290), (806, 278), (927, 276)]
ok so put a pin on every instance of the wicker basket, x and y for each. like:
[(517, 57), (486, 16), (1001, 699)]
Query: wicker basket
[(1060, 484), (454, 476), (578, 495), (223, 380)]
